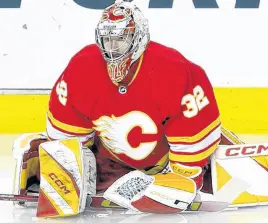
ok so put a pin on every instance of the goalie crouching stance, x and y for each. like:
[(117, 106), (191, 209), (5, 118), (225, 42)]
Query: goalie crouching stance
[(150, 113), (64, 173)]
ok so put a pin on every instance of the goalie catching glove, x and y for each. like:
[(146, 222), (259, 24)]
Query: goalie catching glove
[(67, 174), (161, 193)]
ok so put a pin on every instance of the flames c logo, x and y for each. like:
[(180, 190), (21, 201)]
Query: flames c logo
[(114, 133)]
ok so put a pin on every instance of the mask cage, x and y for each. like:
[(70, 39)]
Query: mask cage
[(126, 39)]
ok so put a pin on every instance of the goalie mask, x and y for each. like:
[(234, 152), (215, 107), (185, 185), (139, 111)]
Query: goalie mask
[(122, 36)]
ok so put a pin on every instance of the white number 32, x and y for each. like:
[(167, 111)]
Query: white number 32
[(195, 102)]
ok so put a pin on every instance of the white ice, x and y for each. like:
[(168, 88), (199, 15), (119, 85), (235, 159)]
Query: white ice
[(9, 213)]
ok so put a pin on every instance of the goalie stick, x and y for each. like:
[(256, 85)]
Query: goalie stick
[(98, 202)]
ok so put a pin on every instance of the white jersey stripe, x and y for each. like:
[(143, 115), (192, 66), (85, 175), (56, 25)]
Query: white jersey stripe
[(193, 148), (54, 133)]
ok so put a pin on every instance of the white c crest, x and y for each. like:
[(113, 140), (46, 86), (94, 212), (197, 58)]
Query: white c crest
[(114, 133)]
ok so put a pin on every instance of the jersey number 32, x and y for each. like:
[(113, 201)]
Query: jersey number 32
[(194, 102)]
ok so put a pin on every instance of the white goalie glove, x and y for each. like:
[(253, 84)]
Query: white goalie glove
[(161, 193)]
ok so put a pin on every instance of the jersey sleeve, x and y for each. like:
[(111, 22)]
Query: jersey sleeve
[(193, 131), (64, 120)]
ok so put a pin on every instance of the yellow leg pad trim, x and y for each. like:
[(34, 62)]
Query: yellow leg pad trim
[(74, 146), (29, 171), (175, 181), (59, 179), (262, 160), (247, 198), (55, 206), (222, 176)]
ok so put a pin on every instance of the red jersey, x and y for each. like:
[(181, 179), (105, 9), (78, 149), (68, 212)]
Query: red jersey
[(168, 111)]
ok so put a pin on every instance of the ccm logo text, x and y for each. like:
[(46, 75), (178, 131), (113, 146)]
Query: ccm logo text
[(59, 183), (246, 150)]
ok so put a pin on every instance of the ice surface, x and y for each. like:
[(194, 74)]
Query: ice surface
[(8, 213)]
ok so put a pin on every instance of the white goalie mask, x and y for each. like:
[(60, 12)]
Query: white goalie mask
[(122, 35)]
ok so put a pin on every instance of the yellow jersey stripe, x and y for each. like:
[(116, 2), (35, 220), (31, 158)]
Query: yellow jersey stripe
[(67, 127), (197, 137)]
